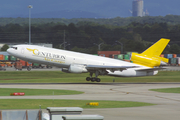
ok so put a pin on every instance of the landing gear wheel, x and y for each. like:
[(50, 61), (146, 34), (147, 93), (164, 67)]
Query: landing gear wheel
[(28, 68), (88, 79), (93, 79), (98, 80)]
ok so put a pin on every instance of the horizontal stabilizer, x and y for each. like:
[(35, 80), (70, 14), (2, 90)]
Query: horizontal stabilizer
[(164, 59)]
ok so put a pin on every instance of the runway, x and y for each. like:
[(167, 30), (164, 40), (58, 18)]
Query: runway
[(167, 104)]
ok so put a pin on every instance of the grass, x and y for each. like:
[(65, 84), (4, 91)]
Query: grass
[(34, 92), (60, 77), (167, 90), (34, 104)]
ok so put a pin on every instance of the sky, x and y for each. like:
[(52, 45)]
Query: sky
[(100, 8)]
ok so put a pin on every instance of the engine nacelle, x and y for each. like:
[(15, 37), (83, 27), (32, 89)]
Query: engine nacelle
[(66, 70), (75, 68), (147, 60)]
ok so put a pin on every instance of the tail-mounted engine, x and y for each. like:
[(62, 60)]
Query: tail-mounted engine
[(147, 60)]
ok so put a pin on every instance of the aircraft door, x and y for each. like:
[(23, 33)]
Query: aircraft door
[(22, 50)]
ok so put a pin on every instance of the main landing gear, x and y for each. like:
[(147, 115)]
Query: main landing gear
[(93, 79)]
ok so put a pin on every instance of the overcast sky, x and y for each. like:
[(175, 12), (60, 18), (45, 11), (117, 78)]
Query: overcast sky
[(108, 8)]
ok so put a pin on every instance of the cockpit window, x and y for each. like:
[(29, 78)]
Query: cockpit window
[(14, 48)]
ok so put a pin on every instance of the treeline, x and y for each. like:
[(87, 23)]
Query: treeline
[(89, 37), (118, 21)]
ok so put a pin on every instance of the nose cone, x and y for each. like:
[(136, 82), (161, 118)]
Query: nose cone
[(11, 51), (8, 50)]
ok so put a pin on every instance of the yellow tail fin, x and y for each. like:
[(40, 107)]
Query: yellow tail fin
[(156, 49), (151, 56)]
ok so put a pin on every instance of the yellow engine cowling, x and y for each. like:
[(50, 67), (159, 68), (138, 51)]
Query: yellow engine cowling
[(147, 60)]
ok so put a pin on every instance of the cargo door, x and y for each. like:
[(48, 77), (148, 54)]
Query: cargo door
[(22, 50)]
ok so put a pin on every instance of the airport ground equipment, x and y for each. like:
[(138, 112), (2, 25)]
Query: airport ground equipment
[(93, 103), (3, 69), (20, 115), (17, 94), (56, 113), (18, 65), (83, 117)]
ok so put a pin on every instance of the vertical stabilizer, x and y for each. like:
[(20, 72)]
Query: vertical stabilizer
[(156, 49)]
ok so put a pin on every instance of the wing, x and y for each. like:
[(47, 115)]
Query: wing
[(111, 68)]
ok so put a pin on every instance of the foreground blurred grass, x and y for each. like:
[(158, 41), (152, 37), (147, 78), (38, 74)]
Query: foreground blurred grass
[(60, 77)]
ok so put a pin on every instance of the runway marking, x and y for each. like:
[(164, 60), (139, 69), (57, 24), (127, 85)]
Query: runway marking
[(144, 94), (167, 98)]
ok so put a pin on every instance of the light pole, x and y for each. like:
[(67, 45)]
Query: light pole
[(66, 46), (64, 40), (63, 44), (99, 45), (30, 6), (121, 46)]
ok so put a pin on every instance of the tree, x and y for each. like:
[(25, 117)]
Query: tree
[(4, 47), (175, 49)]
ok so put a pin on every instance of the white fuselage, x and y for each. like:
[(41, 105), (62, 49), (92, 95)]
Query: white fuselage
[(63, 59)]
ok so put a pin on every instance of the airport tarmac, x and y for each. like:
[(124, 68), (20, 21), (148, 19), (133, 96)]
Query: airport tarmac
[(167, 104)]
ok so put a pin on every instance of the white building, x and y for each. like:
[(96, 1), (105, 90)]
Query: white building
[(137, 8)]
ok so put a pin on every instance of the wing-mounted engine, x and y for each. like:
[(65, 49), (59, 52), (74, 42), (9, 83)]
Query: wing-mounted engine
[(75, 68), (146, 60)]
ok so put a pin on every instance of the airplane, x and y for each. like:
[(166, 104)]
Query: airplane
[(146, 63)]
